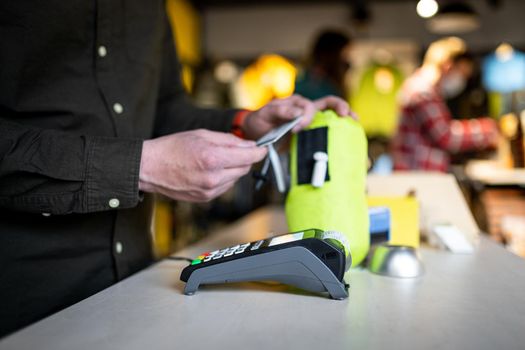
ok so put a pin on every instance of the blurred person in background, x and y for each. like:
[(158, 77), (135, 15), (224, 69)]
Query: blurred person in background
[(427, 134), (326, 66)]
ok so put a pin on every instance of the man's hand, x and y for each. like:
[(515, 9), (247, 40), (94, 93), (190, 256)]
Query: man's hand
[(279, 111), (197, 165)]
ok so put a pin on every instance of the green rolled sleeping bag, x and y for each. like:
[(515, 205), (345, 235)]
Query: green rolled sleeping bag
[(339, 204)]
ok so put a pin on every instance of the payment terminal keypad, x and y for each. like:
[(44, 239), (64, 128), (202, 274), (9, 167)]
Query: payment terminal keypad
[(225, 252)]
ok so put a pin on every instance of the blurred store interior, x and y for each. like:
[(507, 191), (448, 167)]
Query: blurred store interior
[(241, 54)]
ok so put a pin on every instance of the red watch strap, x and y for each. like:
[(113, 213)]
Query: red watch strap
[(238, 121)]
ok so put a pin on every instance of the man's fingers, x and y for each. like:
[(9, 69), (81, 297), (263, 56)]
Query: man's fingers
[(308, 111), (226, 139), (336, 103), (283, 111), (232, 174), (235, 157), (333, 102)]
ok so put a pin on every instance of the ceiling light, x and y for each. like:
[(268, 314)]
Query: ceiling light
[(427, 8)]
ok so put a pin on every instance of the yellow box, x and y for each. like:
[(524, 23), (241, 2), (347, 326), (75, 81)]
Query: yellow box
[(404, 218)]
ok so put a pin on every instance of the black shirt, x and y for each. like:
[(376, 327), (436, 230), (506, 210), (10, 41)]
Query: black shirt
[(82, 83)]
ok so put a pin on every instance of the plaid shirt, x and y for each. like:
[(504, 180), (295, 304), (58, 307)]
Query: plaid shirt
[(427, 134)]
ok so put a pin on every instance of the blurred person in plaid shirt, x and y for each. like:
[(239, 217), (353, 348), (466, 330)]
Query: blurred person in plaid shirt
[(427, 135)]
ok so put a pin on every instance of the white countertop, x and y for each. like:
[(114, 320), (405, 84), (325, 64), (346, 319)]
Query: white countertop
[(461, 302)]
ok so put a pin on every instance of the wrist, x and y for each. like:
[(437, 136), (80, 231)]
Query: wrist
[(144, 170)]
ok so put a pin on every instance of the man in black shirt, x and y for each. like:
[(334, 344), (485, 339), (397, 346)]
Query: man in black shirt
[(93, 118)]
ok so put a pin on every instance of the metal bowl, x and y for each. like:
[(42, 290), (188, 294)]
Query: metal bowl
[(395, 261)]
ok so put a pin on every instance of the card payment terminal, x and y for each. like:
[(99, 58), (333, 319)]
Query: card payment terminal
[(312, 259)]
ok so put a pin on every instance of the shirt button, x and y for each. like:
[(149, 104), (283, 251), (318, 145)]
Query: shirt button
[(102, 51), (114, 203), (117, 107), (118, 247)]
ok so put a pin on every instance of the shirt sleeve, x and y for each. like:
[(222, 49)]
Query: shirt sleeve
[(175, 111), (454, 135), (48, 171)]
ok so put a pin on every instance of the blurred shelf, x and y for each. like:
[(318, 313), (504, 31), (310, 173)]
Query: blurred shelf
[(489, 172)]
